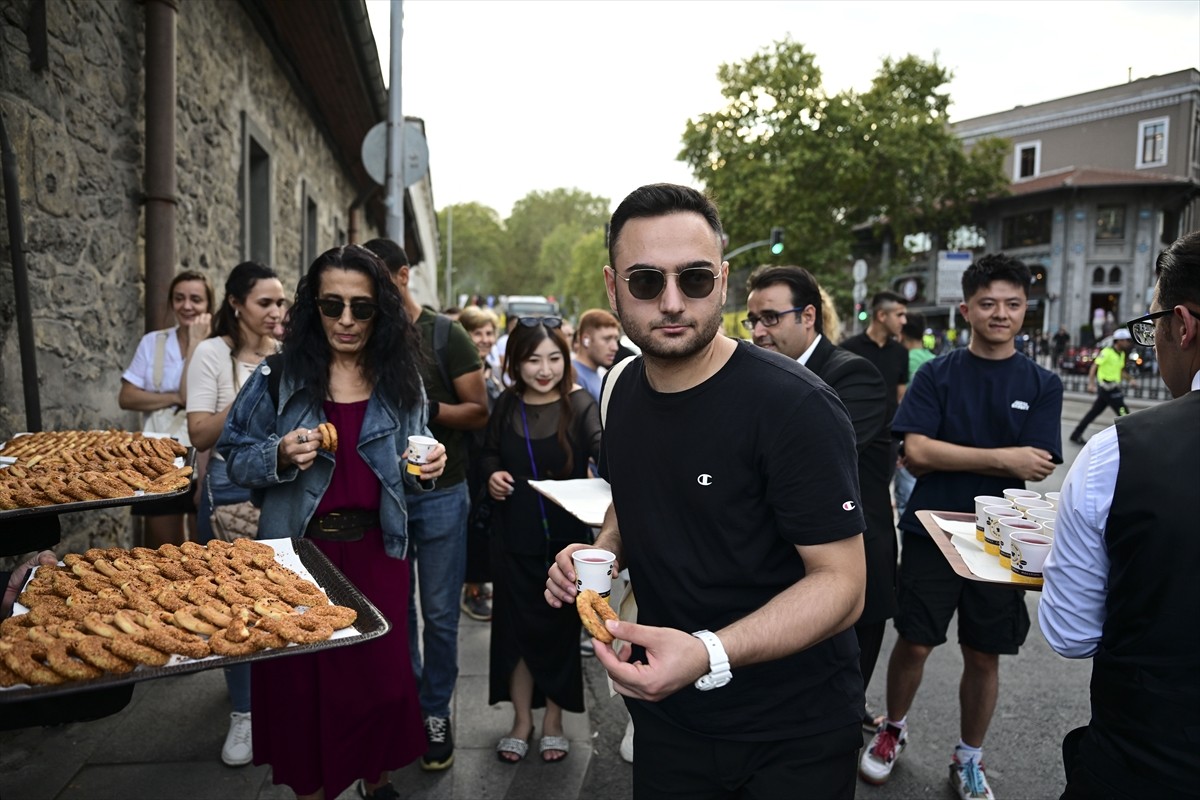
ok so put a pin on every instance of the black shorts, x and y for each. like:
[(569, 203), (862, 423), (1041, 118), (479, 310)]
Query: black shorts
[(991, 619), (674, 763)]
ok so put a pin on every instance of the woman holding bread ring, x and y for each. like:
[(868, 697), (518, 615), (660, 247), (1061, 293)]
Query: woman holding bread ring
[(349, 371)]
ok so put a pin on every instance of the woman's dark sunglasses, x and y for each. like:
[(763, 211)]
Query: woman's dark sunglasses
[(361, 310), (647, 284), (533, 322)]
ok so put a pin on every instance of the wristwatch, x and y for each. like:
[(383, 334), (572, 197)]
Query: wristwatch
[(718, 663)]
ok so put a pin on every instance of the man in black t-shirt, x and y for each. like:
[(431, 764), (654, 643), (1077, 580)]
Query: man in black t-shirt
[(880, 344), (975, 421), (734, 484)]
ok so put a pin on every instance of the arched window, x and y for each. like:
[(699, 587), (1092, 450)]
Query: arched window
[(1114, 275), (1098, 275)]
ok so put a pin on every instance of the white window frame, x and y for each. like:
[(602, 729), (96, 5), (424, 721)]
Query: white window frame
[(1037, 160), (1142, 125)]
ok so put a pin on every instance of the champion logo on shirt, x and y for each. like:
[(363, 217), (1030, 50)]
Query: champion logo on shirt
[(704, 479), (1020, 405), (848, 505)]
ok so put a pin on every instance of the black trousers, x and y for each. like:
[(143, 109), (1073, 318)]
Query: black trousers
[(1105, 398)]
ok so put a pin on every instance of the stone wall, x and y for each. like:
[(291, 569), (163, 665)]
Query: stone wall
[(77, 128)]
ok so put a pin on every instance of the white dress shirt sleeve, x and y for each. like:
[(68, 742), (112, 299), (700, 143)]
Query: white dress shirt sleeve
[(1071, 612)]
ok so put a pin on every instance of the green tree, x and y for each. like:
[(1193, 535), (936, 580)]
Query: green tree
[(534, 217), (583, 287), (784, 151), (480, 246)]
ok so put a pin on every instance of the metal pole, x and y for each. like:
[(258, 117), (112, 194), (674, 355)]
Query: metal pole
[(160, 180), (395, 160), (449, 256)]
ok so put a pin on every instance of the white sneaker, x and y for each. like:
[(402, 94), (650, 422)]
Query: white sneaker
[(879, 758), (627, 742), (968, 778), (239, 747)]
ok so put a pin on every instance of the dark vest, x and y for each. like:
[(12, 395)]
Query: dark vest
[(1145, 728)]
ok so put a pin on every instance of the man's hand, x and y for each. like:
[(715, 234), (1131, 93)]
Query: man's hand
[(560, 583), (1091, 387), (674, 660), (17, 579), (1027, 463)]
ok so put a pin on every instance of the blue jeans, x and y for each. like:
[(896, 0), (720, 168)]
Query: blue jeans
[(218, 491), (437, 535), (902, 489)]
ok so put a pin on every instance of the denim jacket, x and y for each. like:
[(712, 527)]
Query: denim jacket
[(288, 498)]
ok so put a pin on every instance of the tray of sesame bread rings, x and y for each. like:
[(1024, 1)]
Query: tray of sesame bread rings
[(53, 472), (112, 616)]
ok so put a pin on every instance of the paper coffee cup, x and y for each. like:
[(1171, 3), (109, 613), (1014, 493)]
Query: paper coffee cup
[(594, 570), (1040, 514), (1008, 527), (982, 502), (1026, 504), (419, 448), (1052, 498), (991, 531), (1016, 494), (1029, 552)]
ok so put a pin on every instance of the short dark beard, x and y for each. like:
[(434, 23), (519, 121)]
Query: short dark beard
[(642, 338)]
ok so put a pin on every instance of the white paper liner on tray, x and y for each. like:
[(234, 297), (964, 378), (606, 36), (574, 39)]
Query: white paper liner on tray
[(285, 554), (981, 563)]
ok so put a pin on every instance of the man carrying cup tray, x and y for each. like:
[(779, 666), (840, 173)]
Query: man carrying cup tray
[(976, 421), (1120, 580)]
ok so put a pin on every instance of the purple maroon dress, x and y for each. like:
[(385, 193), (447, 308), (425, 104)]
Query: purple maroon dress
[(325, 719)]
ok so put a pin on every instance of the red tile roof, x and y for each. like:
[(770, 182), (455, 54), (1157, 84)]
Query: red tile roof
[(1088, 177)]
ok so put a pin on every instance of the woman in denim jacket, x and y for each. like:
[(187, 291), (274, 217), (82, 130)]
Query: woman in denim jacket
[(350, 359)]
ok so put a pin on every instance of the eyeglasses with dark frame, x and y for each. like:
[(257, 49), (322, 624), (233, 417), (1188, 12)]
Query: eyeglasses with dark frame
[(1142, 328), (361, 310), (546, 322), (647, 284), (769, 319)]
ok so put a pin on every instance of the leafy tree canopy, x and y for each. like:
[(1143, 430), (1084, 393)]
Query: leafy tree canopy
[(532, 269), (479, 245), (783, 151)]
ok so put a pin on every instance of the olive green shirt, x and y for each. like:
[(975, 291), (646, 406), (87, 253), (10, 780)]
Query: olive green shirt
[(462, 357)]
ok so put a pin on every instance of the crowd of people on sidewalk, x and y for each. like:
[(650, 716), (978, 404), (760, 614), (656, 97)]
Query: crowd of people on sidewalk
[(764, 510)]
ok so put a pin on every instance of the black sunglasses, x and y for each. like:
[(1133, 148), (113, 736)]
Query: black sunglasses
[(647, 284), (361, 310), (533, 322)]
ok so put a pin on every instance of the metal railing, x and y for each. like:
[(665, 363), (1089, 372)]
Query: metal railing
[(1149, 386)]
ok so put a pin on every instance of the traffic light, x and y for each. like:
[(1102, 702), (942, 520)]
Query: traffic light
[(860, 311), (776, 241)]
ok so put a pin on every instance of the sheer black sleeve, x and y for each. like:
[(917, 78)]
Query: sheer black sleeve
[(489, 456), (587, 421)]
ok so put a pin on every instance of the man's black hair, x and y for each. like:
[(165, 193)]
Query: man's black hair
[(880, 300), (657, 200), (914, 326), (995, 267), (391, 254), (1178, 271), (805, 289)]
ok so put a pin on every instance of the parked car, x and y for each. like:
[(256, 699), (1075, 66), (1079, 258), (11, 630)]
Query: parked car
[(1078, 360)]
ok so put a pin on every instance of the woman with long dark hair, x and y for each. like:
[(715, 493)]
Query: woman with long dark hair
[(243, 334), (328, 718), (544, 426)]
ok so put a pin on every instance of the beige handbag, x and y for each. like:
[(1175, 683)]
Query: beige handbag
[(237, 521)]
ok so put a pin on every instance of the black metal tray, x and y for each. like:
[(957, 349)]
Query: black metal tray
[(370, 624), (189, 460)]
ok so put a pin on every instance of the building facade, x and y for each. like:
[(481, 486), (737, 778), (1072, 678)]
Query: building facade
[(268, 102), (1101, 181)]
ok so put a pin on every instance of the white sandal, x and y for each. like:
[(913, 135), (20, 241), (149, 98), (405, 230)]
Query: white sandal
[(511, 744)]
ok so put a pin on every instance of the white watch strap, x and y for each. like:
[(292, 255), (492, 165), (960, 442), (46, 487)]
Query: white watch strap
[(719, 673)]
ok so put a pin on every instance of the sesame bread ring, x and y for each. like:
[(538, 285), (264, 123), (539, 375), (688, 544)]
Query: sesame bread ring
[(338, 616), (28, 660), (593, 611), (128, 648), (94, 650), (329, 438), (188, 619), (62, 657)]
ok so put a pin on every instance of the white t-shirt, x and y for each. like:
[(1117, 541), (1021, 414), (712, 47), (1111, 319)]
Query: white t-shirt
[(210, 383), (141, 369)]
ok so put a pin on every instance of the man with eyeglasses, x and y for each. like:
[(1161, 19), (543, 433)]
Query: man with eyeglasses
[(786, 316), (975, 421), (734, 477), (1120, 579), (1104, 378), (437, 520)]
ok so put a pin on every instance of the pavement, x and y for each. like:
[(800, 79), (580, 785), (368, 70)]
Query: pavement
[(166, 743)]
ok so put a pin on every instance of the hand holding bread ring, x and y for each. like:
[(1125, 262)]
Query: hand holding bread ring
[(299, 448), (560, 583)]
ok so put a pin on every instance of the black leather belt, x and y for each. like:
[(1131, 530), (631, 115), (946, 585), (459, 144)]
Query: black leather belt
[(342, 526)]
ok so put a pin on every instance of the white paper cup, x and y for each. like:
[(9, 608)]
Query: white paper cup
[(419, 448), (982, 502), (1029, 551), (991, 531), (1048, 527), (1016, 494), (1041, 514), (1027, 504), (594, 570), (1052, 498), (1007, 528)]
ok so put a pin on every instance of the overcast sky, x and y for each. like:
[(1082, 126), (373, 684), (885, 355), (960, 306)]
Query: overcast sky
[(524, 95)]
